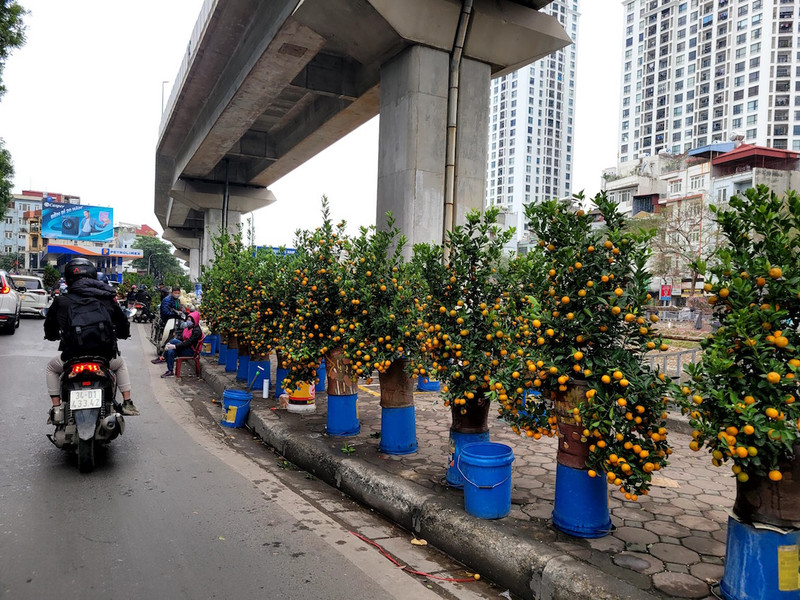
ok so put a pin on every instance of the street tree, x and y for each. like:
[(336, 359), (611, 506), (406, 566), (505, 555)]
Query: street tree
[(157, 260), (685, 232), (12, 35)]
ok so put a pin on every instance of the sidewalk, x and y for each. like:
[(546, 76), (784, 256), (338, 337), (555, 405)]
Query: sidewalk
[(671, 544)]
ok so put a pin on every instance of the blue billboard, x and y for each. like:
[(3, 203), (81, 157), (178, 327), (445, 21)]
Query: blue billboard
[(77, 222)]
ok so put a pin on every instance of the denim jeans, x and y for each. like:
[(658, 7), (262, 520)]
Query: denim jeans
[(171, 355)]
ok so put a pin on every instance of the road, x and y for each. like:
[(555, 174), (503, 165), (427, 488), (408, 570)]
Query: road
[(178, 507)]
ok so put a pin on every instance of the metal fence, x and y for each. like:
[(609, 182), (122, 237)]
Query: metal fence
[(672, 364)]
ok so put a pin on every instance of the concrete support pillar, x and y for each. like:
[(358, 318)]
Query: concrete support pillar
[(213, 223), (413, 128), (194, 264)]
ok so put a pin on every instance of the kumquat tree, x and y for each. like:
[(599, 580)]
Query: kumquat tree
[(319, 307), (221, 282), (464, 313), (743, 395), (380, 286), (590, 332), (271, 293)]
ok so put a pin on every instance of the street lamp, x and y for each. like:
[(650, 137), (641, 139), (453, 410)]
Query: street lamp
[(149, 258)]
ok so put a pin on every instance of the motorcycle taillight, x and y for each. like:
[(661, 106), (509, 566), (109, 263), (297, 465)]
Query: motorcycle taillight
[(5, 289), (78, 368)]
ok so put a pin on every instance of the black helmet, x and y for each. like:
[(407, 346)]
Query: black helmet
[(78, 268), (143, 288)]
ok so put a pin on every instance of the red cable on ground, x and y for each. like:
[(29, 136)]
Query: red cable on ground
[(406, 568)]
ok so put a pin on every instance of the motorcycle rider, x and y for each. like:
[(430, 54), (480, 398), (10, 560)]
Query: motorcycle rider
[(170, 308), (130, 297), (81, 279)]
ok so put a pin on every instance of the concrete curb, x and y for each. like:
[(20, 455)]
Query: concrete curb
[(528, 567)]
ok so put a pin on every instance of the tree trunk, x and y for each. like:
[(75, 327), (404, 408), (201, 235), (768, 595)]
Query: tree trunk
[(761, 500), (573, 448), (397, 387), (476, 417), (342, 380)]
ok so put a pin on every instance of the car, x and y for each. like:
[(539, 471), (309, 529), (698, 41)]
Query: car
[(35, 298), (10, 303)]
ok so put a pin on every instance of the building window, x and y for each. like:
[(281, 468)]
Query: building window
[(675, 186), (696, 182)]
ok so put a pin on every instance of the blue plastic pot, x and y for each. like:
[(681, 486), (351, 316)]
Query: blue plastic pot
[(581, 503), (210, 344), (427, 385), (760, 564), (398, 431), (231, 360), (242, 369), (223, 353), (486, 469), (255, 376), (322, 373), (457, 442), (280, 375), (342, 418)]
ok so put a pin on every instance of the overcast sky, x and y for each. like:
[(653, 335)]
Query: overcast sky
[(83, 106)]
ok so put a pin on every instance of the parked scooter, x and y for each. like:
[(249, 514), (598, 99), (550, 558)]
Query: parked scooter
[(88, 415), (142, 314), (160, 333)]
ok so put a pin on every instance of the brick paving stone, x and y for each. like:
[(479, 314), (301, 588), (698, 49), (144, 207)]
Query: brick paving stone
[(689, 504), (711, 484), (697, 523), (538, 511), (676, 568), (668, 510), (674, 553), (720, 535), (707, 572), (635, 535), (680, 585), (641, 563), (664, 528), (715, 501), (705, 545), (608, 544), (630, 513)]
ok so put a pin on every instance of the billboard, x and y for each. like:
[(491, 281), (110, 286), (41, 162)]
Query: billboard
[(77, 222)]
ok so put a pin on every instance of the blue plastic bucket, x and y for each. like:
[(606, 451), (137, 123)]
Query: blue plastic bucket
[(231, 360), (769, 560), (457, 442), (280, 375), (398, 431), (256, 377), (322, 373), (343, 415), (427, 385), (486, 469), (581, 503), (236, 404), (223, 353), (210, 344), (242, 369)]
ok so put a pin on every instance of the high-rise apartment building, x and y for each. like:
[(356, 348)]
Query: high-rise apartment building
[(694, 71), (531, 129)]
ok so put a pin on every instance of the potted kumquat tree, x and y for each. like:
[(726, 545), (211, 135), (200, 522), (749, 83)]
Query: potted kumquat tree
[(383, 338), (586, 361), (463, 310), (742, 397)]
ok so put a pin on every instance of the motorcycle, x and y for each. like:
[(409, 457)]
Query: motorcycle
[(142, 313), (160, 333), (88, 416)]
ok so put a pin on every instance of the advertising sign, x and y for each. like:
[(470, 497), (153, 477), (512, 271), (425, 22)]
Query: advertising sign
[(77, 222), (666, 292)]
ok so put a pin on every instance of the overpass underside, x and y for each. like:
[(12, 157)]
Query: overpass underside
[(265, 86)]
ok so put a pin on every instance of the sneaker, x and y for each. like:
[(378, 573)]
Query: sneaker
[(168, 374), (158, 360), (129, 409)]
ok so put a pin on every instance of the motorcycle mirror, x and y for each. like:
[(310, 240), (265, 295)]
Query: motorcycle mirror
[(44, 311)]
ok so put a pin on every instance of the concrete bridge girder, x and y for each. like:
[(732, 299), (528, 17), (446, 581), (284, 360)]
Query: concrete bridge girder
[(269, 85)]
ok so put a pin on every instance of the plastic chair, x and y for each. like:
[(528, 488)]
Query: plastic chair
[(194, 357)]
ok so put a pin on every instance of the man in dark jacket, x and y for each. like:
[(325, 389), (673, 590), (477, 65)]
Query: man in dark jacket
[(81, 279), (171, 304)]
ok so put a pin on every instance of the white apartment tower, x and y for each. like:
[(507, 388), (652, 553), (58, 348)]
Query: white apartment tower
[(531, 129), (694, 71)]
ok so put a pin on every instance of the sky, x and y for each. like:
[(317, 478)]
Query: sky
[(84, 100)]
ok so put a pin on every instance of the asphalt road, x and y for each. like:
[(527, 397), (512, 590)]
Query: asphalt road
[(171, 510)]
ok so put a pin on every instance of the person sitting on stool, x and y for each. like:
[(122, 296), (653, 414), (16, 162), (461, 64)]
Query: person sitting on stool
[(192, 334)]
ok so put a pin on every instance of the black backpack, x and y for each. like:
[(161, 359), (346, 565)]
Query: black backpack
[(90, 329)]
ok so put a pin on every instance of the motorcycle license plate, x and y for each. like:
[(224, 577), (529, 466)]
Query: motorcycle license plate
[(80, 399)]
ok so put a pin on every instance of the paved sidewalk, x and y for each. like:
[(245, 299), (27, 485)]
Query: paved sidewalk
[(671, 544)]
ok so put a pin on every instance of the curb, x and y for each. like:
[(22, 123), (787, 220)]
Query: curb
[(530, 568)]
